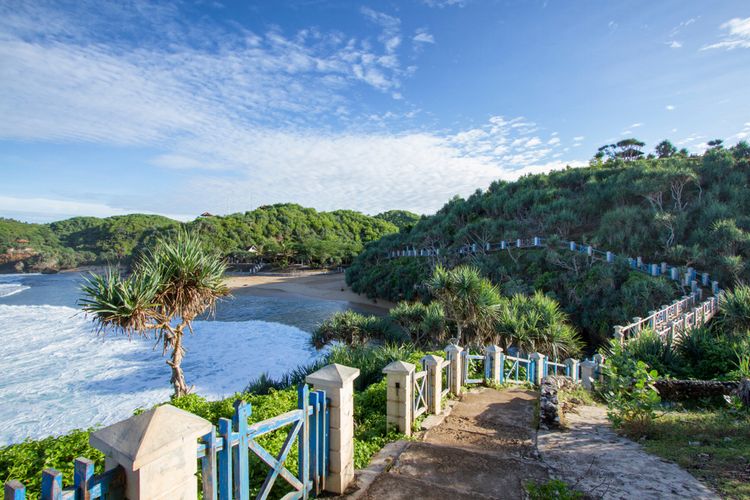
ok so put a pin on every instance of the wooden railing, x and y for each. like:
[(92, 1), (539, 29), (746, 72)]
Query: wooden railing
[(420, 393), (670, 320)]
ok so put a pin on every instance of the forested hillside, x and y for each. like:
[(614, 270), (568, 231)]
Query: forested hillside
[(669, 206), (282, 234)]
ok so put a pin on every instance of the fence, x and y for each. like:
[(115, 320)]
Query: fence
[(670, 320), (406, 386), (155, 454)]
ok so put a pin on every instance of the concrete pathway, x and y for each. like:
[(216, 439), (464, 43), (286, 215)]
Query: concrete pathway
[(485, 448), (591, 457)]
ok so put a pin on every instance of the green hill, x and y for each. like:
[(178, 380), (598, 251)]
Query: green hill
[(282, 234), (681, 209)]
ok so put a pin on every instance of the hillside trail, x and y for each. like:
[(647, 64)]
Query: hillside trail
[(486, 448)]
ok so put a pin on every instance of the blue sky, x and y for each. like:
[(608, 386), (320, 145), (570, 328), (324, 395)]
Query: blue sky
[(179, 108)]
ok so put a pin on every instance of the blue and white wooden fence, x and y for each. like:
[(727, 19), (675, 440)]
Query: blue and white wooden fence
[(225, 455), (86, 485), (420, 393), (669, 321)]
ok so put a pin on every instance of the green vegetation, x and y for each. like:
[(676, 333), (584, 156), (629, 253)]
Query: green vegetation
[(280, 234), (713, 445), (25, 461), (554, 488), (169, 287), (665, 207)]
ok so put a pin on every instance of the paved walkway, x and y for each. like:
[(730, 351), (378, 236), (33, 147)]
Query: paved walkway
[(591, 456), (484, 449), (488, 448)]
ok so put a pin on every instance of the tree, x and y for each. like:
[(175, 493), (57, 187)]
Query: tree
[(715, 144), (665, 149), (169, 287), (741, 151), (629, 149), (468, 299)]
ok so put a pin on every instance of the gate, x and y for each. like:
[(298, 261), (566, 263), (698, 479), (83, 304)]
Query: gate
[(225, 457)]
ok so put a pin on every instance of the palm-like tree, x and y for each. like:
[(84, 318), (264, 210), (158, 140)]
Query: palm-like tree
[(169, 287), (537, 324), (469, 300)]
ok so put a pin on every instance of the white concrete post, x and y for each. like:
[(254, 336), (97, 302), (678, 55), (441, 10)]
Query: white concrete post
[(493, 356), (433, 366), (538, 360), (572, 368), (637, 321), (400, 396), (599, 362), (453, 353), (338, 383), (518, 243), (573, 245), (610, 257), (587, 374), (704, 279), (502, 245), (639, 261), (664, 268), (715, 287), (675, 273), (590, 250), (618, 334), (693, 286), (157, 450)]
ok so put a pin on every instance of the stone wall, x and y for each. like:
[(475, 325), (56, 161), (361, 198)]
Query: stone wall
[(683, 390)]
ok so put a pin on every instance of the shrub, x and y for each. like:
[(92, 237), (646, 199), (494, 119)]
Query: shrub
[(734, 317), (705, 354), (553, 488), (353, 329)]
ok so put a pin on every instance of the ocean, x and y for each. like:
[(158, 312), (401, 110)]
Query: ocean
[(59, 374)]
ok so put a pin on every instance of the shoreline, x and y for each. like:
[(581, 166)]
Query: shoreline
[(313, 284)]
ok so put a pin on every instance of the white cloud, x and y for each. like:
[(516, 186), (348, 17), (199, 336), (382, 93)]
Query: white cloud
[(445, 3), (553, 141), (423, 36), (674, 44), (669, 107), (578, 138), (737, 36), (636, 125), (45, 209), (252, 111)]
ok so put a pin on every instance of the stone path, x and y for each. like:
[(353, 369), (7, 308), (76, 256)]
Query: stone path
[(484, 449), (591, 456), (487, 447)]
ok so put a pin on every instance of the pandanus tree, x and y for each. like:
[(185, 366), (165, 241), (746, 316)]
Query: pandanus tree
[(170, 286), (468, 299)]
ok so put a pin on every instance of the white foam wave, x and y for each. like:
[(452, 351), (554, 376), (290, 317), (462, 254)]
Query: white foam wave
[(8, 289), (58, 375)]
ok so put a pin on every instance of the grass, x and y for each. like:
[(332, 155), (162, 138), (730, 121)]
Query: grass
[(713, 445)]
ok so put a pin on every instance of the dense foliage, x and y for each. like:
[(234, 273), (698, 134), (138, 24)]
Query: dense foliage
[(283, 234), (670, 207)]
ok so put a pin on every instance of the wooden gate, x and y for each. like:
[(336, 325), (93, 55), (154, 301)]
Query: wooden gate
[(225, 457)]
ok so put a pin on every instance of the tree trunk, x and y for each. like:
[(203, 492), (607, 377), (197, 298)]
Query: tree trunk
[(178, 378)]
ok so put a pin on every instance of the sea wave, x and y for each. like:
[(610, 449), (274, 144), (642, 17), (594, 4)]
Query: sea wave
[(8, 289), (58, 374)]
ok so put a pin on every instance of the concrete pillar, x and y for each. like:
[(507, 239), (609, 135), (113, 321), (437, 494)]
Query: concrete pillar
[(537, 241), (573, 245), (590, 250), (400, 396), (157, 450), (618, 335), (664, 268), (519, 243), (587, 374), (433, 366), (571, 367), (693, 286), (503, 245), (654, 270), (653, 321), (675, 274), (639, 262), (455, 371), (494, 359), (338, 383), (704, 279), (715, 287), (610, 257), (538, 360)]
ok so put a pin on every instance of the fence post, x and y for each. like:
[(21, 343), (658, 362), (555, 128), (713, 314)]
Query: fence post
[(453, 353), (493, 359), (571, 368), (338, 383), (572, 246), (637, 321), (610, 257), (587, 374), (664, 268), (433, 365), (618, 334), (538, 360), (400, 395), (157, 450), (14, 490)]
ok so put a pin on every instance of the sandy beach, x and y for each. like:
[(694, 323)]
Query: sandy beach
[(309, 284)]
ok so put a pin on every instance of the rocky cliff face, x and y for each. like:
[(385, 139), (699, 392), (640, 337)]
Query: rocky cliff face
[(26, 260)]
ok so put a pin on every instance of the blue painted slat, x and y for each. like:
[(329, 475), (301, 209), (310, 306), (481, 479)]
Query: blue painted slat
[(303, 442), (241, 468), (314, 439), (225, 460), (51, 485), (14, 490), (83, 473), (209, 467), (277, 463), (501, 360)]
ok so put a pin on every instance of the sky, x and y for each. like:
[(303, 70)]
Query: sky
[(180, 108)]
